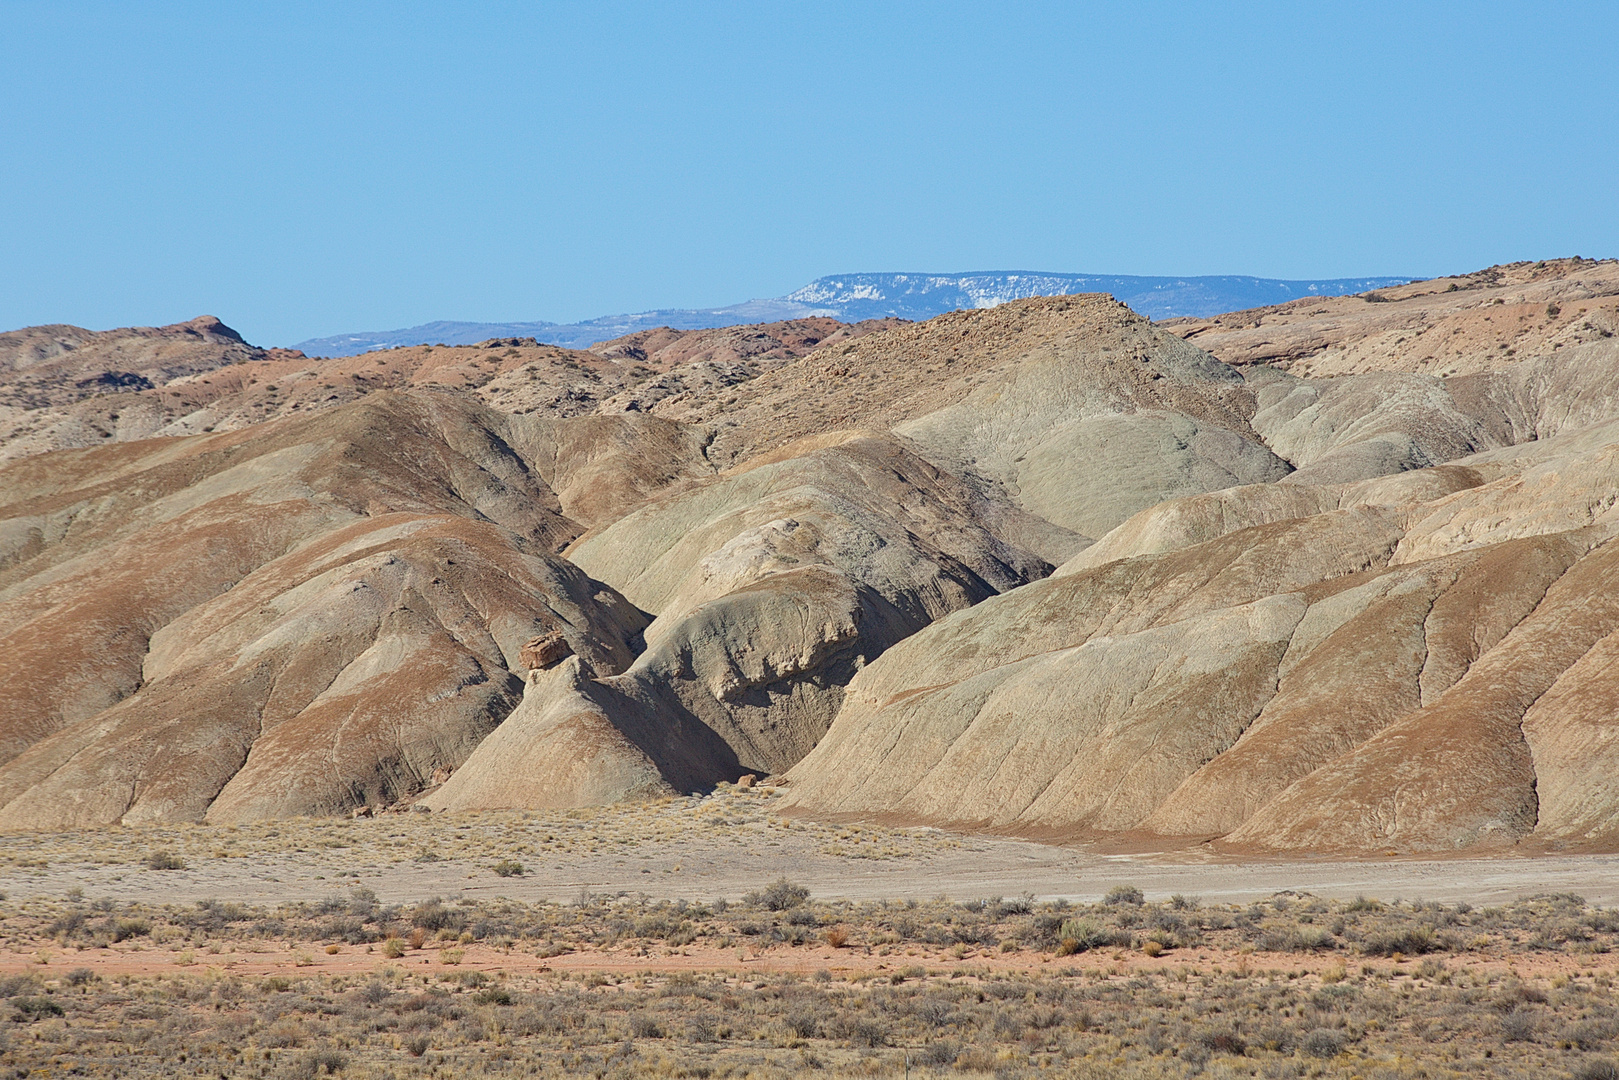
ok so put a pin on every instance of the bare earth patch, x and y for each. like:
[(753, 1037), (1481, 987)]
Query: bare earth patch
[(704, 849)]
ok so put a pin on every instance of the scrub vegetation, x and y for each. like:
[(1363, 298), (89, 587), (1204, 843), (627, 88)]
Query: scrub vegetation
[(782, 984)]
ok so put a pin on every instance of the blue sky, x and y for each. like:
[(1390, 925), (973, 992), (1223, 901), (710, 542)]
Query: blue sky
[(306, 169)]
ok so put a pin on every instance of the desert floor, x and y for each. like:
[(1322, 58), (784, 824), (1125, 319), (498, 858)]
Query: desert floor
[(701, 849)]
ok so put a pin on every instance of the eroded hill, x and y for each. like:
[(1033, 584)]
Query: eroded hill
[(1330, 576)]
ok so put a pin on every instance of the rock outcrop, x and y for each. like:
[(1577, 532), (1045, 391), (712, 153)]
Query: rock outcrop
[(546, 651)]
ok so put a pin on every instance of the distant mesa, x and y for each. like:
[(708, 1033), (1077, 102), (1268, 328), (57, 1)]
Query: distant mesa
[(856, 297)]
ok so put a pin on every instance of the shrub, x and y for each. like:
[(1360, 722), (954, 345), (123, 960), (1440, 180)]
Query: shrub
[(68, 925), (433, 916), (1124, 894), (1412, 941), (164, 860), (1296, 939), (1223, 1042), (35, 1008), (393, 949), (1322, 1043), (329, 1062), (1588, 1035), (509, 868), (1080, 935), (1018, 905), (1518, 1026), (975, 1060), (779, 895), (1597, 1070), (860, 1030)]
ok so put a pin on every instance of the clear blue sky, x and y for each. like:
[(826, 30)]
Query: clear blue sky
[(306, 169)]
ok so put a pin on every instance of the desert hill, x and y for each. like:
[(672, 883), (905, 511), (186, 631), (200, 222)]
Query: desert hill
[(1335, 575), (1463, 325)]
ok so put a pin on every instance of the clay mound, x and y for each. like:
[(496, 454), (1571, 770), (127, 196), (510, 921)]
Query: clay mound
[(1072, 408), (885, 379), (115, 562), (603, 467), (257, 386), (1355, 668), (344, 673), (772, 587), (67, 386)]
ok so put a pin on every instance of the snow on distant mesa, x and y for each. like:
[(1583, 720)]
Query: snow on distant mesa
[(922, 296), (855, 297)]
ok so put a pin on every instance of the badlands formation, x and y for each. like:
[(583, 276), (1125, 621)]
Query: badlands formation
[(1335, 576)]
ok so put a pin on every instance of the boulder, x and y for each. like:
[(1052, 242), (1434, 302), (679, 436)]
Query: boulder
[(545, 651)]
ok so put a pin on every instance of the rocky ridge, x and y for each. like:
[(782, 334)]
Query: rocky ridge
[(63, 387)]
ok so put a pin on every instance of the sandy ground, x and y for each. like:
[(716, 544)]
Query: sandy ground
[(704, 867)]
